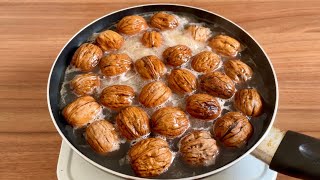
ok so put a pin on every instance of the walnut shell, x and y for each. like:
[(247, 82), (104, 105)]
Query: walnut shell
[(150, 67), (238, 70), (217, 84), (177, 55), (150, 157), (131, 25), (233, 129), (182, 81), (225, 45), (151, 39), (81, 111), (154, 94), (133, 123), (115, 64), (199, 33), (87, 57), (109, 40), (170, 122), (102, 137), (164, 21), (203, 106), (117, 96), (249, 102), (85, 84), (198, 148), (205, 61)]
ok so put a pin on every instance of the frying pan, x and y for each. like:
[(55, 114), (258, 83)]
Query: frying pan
[(288, 152)]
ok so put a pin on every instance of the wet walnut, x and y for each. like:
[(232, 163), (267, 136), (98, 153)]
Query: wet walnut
[(203, 106), (133, 122), (225, 45), (115, 64), (177, 55), (131, 25), (86, 57), (217, 84), (205, 61), (199, 33), (233, 129), (198, 148), (102, 137), (109, 40), (81, 111), (85, 84), (238, 70), (151, 39), (154, 94), (150, 157), (164, 21), (182, 81), (249, 102), (117, 96), (170, 122), (150, 67)]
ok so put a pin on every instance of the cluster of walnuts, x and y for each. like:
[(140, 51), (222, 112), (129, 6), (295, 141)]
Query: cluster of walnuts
[(152, 156)]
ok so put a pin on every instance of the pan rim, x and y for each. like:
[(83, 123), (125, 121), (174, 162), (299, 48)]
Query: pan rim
[(194, 177)]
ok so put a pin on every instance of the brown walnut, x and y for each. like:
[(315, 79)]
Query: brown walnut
[(238, 70), (117, 96), (249, 102), (225, 45), (109, 40), (85, 84), (131, 25), (182, 81), (151, 39), (199, 33), (86, 57), (177, 55), (164, 21), (154, 94), (115, 64), (150, 67), (205, 61)]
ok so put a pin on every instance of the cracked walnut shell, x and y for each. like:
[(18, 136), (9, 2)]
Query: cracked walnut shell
[(205, 61), (170, 122), (102, 137), (81, 111), (85, 84), (131, 25), (164, 21), (182, 81), (151, 39), (115, 64), (199, 33), (87, 57), (133, 123), (177, 55), (150, 157), (198, 148), (109, 40), (117, 96), (203, 106), (225, 45), (238, 70), (217, 84), (154, 94), (249, 102), (150, 67), (233, 129)]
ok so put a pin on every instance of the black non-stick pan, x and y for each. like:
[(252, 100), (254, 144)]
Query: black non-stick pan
[(287, 152)]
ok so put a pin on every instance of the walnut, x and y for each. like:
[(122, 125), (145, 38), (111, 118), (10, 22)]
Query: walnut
[(85, 84), (233, 129), (102, 137), (86, 57), (198, 148), (150, 157), (115, 64), (109, 40), (117, 96), (217, 84), (203, 106), (238, 70), (131, 25), (182, 81), (199, 33), (177, 55), (151, 39), (133, 123), (81, 111), (205, 61), (164, 21), (249, 102), (170, 122), (225, 45), (150, 67), (154, 94)]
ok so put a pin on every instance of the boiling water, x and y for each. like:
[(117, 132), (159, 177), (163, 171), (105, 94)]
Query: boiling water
[(118, 160)]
